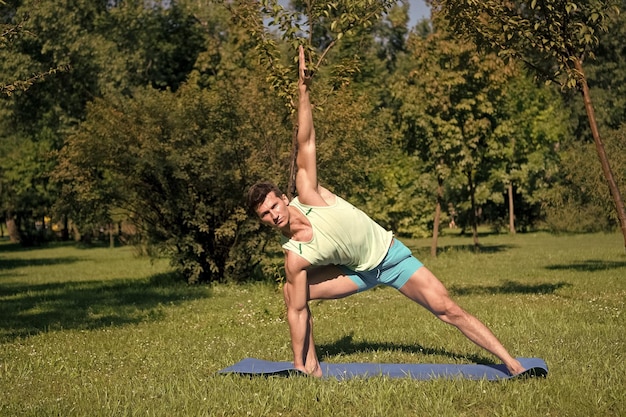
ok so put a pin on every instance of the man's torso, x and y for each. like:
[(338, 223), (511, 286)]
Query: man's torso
[(341, 235)]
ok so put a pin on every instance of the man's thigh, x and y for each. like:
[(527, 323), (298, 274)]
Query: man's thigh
[(329, 282), (424, 288)]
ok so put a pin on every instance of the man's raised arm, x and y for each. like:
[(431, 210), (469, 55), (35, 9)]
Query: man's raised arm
[(306, 177)]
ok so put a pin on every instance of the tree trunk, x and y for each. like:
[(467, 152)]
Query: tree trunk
[(604, 160), (472, 190), (13, 228), (65, 232), (511, 209), (433, 245), (111, 236), (293, 167)]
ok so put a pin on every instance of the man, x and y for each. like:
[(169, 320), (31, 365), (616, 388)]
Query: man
[(333, 250)]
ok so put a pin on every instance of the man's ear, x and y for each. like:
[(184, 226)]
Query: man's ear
[(285, 199)]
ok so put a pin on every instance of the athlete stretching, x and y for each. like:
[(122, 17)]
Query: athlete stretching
[(332, 250)]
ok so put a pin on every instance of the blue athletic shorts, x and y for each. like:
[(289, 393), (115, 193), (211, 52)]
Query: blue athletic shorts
[(395, 270)]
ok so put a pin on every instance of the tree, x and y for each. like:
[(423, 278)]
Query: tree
[(552, 38), (9, 32), (19, 187), (178, 164), (577, 201), (449, 113), (160, 44), (106, 48), (606, 73), (318, 26), (580, 191), (532, 125)]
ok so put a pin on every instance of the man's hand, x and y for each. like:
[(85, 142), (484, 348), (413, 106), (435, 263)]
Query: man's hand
[(305, 75), (315, 370)]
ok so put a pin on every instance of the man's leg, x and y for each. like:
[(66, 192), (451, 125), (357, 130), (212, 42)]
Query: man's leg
[(425, 289), (329, 282)]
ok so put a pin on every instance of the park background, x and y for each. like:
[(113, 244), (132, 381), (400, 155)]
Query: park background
[(130, 271)]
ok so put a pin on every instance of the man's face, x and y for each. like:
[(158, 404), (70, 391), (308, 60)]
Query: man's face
[(273, 210)]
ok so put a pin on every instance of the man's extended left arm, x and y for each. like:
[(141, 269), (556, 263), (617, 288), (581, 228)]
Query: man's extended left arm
[(299, 317)]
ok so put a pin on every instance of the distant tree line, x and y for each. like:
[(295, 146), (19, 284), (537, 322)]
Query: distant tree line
[(146, 122)]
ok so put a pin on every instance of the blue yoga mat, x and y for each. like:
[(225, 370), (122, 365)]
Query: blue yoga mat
[(535, 367)]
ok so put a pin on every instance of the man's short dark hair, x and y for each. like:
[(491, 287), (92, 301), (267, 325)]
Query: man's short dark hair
[(258, 192)]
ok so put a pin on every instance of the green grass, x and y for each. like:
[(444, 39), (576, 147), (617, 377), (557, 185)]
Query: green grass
[(100, 332)]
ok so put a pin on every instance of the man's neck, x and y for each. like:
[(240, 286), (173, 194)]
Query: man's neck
[(299, 227)]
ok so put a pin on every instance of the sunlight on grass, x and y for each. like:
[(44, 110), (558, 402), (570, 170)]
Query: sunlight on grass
[(100, 332)]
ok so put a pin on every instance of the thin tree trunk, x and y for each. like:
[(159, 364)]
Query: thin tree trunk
[(433, 245), (511, 209), (604, 160), (111, 237), (293, 167), (13, 229), (474, 211), (65, 232)]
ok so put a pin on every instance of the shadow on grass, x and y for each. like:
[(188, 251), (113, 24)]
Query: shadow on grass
[(509, 287), (424, 251), (346, 346), (7, 247), (476, 249), (27, 310), (591, 265), (12, 263)]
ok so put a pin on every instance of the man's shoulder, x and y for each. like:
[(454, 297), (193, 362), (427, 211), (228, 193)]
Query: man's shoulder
[(327, 195), (318, 198)]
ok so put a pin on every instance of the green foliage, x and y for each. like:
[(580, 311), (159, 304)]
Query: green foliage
[(24, 191), (199, 99), (402, 196), (532, 125), (179, 164), (101, 48), (10, 32), (449, 107), (548, 36), (317, 26), (559, 35), (580, 201), (22, 85), (607, 78), (160, 44)]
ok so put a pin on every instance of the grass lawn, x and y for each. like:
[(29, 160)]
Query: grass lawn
[(100, 332)]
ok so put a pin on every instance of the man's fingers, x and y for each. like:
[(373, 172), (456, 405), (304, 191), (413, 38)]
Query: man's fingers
[(305, 74)]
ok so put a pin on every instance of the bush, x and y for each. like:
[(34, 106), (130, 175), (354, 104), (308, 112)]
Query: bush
[(178, 164), (581, 200)]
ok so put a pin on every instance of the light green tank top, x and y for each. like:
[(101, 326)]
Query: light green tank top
[(342, 235)]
